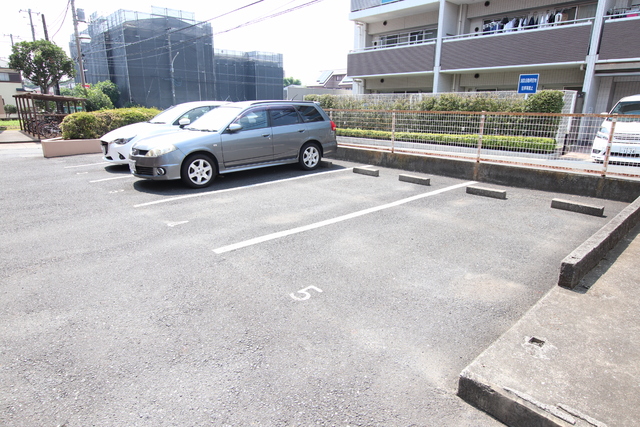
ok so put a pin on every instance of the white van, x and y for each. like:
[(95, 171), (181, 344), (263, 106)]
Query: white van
[(625, 146)]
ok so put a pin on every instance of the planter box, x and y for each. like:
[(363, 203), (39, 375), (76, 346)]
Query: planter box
[(70, 147)]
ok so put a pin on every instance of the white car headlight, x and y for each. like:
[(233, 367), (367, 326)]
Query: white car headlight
[(122, 141), (603, 133), (159, 151)]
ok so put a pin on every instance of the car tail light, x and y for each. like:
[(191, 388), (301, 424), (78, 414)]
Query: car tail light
[(333, 126)]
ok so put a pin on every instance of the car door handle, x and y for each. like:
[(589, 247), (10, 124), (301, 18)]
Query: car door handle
[(301, 130), (267, 135)]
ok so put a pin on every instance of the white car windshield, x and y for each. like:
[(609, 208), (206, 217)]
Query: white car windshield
[(625, 109), (215, 120), (167, 116), (631, 107)]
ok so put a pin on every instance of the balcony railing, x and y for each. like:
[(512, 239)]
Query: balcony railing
[(565, 43), (407, 59), (619, 38), (519, 30)]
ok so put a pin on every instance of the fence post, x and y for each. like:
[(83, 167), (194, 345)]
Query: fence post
[(605, 163), (480, 132), (393, 131)]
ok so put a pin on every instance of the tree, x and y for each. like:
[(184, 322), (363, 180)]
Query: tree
[(288, 81), (97, 100), (10, 109), (96, 95), (42, 62), (110, 89)]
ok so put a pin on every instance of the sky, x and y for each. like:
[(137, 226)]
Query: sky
[(312, 38)]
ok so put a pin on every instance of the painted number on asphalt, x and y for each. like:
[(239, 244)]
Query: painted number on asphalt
[(305, 293)]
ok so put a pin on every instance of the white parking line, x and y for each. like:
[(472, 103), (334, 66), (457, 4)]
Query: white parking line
[(89, 164), (111, 179), (324, 223), (213, 193)]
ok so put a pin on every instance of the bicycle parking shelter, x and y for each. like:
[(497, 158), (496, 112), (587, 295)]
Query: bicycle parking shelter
[(39, 122)]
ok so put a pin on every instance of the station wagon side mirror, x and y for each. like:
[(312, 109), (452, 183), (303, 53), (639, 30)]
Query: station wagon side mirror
[(184, 121), (234, 127)]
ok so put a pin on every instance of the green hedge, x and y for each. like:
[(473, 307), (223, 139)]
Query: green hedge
[(95, 124), (511, 143), (546, 101)]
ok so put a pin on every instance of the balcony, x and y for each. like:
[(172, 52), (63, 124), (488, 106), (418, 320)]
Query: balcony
[(379, 10), (544, 47), (412, 59), (620, 40)]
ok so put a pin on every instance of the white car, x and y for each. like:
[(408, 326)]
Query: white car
[(625, 145), (116, 145)]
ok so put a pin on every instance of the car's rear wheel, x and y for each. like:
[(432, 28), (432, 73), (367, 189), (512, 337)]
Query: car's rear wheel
[(310, 156), (198, 171)]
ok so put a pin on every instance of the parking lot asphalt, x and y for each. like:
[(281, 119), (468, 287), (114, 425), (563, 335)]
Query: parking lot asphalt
[(274, 297)]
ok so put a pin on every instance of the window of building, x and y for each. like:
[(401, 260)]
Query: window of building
[(4, 77), (411, 37)]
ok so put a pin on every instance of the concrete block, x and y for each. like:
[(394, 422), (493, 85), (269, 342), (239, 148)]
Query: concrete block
[(365, 171), (325, 164), (70, 147), (568, 205), (487, 192), (415, 179)]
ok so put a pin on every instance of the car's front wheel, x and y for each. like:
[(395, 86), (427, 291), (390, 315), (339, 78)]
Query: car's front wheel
[(198, 171), (310, 156)]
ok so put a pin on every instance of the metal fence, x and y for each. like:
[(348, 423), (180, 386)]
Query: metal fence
[(606, 145)]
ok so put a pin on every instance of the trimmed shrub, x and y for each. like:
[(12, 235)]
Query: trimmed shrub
[(511, 143), (95, 124), (81, 126), (546, 101)]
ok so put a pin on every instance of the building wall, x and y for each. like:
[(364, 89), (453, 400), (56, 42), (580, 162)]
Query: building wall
[(404, 23), (549, 79), (248, 76), (10, 84)]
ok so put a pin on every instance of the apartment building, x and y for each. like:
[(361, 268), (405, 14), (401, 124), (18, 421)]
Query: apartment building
[(404, 46)]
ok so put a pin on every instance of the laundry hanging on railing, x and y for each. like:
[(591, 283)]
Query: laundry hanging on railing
[(530, 21)]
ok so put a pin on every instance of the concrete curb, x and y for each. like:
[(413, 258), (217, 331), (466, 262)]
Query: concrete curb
[(504, 405), (586, 256)]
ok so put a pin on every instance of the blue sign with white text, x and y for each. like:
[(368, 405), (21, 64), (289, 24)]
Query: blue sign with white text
[(528, 83)]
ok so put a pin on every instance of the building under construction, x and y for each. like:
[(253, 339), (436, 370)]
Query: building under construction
[(248, 75), (167, 57)]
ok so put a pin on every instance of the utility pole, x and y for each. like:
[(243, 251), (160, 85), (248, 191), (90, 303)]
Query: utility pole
[(44, 26), (11, 37), (33, 31), (56, 89), (77, 37)]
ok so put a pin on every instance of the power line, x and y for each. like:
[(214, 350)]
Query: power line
[(273, 15), (64, 18), (184, 42)]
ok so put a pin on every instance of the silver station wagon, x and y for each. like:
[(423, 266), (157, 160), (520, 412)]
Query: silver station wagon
[(235, 137)]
